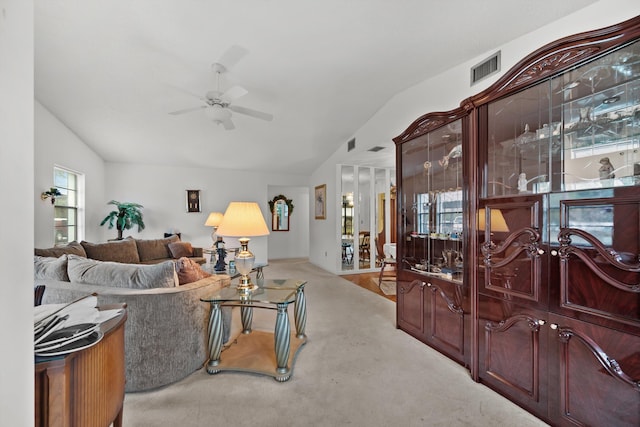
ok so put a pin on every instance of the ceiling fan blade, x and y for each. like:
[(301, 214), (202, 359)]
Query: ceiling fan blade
[(234, 93), (232, 56), (185, 91), (253, 113), (228, 124), (187, 110)]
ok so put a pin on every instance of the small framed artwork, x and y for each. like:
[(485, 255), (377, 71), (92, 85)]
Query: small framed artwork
[(321, 201), (193, 201)]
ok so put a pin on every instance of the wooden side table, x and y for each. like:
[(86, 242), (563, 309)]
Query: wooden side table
[(86, 387)]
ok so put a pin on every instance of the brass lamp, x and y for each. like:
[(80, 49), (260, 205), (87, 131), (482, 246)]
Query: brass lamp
[(243, 220), (213, 220)]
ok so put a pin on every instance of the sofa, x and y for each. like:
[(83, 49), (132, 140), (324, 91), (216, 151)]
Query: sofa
[(166, 333), (129, 250)]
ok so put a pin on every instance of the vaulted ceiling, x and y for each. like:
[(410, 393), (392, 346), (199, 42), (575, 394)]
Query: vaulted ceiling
[(112, 71)]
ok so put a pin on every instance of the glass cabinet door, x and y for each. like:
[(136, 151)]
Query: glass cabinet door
[(579, 130), (432, 206), (523, 134), (600, 104)]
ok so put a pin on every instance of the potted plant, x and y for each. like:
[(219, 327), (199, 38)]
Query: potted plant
[(125, 217)]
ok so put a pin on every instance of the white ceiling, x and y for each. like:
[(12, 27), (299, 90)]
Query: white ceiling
[(112, 70)]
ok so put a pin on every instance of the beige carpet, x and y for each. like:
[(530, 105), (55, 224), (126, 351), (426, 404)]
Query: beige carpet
[(356, 370), (388, 287)]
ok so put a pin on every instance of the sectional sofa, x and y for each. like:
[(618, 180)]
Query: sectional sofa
[(166, 336)]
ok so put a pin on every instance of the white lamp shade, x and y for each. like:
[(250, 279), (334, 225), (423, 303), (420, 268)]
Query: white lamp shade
[(243, 219), (214, 219)]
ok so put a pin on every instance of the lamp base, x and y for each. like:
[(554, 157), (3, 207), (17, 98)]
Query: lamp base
[(244, 264), (245, 286)]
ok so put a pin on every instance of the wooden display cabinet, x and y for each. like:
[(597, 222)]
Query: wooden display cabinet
[(432, 296), (546, 309), (561, 204)]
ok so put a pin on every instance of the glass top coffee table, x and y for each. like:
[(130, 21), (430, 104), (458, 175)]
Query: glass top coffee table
[(259, 351)]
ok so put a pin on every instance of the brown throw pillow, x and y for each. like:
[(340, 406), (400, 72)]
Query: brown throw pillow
[(119, 251), (155, 248), (189, 271), (73, 248), (180, 249)]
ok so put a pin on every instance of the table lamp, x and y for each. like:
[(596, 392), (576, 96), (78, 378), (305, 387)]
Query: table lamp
[(497, 222), (243, 220), (213, 220)]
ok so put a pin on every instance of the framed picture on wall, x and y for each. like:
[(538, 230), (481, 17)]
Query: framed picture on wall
[(321, 201), (193, 201)]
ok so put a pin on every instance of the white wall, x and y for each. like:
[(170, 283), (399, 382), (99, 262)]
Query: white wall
[(295, 242), (16, 217), (56, 145), (162, 192), (441, 93)]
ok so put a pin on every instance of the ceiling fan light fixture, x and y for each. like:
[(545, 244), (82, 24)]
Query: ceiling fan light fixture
[(218, 114)]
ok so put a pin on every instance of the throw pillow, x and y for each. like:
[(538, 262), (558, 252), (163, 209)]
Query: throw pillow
[(50, 268), (119, 251), (180, 249), (189, 271), (155, 248), (74, 248), (121, 275)]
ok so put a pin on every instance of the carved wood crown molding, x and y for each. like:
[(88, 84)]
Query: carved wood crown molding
[(429, 122), (550, 65), (557, 56)]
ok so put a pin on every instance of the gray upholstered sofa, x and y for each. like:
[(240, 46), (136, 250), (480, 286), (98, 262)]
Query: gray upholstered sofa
[(166, 335)]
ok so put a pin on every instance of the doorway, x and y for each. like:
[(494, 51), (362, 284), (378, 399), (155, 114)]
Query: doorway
[(367, 219)]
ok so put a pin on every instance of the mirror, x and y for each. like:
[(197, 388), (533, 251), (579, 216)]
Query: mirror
[(281, 209)]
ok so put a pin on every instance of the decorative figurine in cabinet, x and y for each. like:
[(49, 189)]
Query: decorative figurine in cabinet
[(432, 296)]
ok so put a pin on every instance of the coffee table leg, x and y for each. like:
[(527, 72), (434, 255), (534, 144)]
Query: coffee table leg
[(300, 310), (246, 313), (282, 338), (215, 338)]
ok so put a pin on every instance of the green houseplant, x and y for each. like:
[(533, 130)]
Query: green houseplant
[(125, 217)]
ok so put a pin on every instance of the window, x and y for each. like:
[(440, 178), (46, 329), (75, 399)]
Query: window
[(66, 227), (449, 212), (423, 213)]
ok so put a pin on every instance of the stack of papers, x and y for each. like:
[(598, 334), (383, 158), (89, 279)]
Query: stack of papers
[(63, 328)]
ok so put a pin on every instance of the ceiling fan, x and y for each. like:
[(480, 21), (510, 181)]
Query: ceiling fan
[(217, 104)]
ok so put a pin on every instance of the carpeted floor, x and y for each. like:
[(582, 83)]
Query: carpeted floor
[(356, 369)]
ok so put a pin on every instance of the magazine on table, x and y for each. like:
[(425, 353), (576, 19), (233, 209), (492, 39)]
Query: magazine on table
[(59, 329)]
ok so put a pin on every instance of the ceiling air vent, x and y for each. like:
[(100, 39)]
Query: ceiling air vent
[(375, 149), (486, 68), (351, 144)]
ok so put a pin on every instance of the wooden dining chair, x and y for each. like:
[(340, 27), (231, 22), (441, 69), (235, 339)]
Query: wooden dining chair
[(387, 264), (364, 246)]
